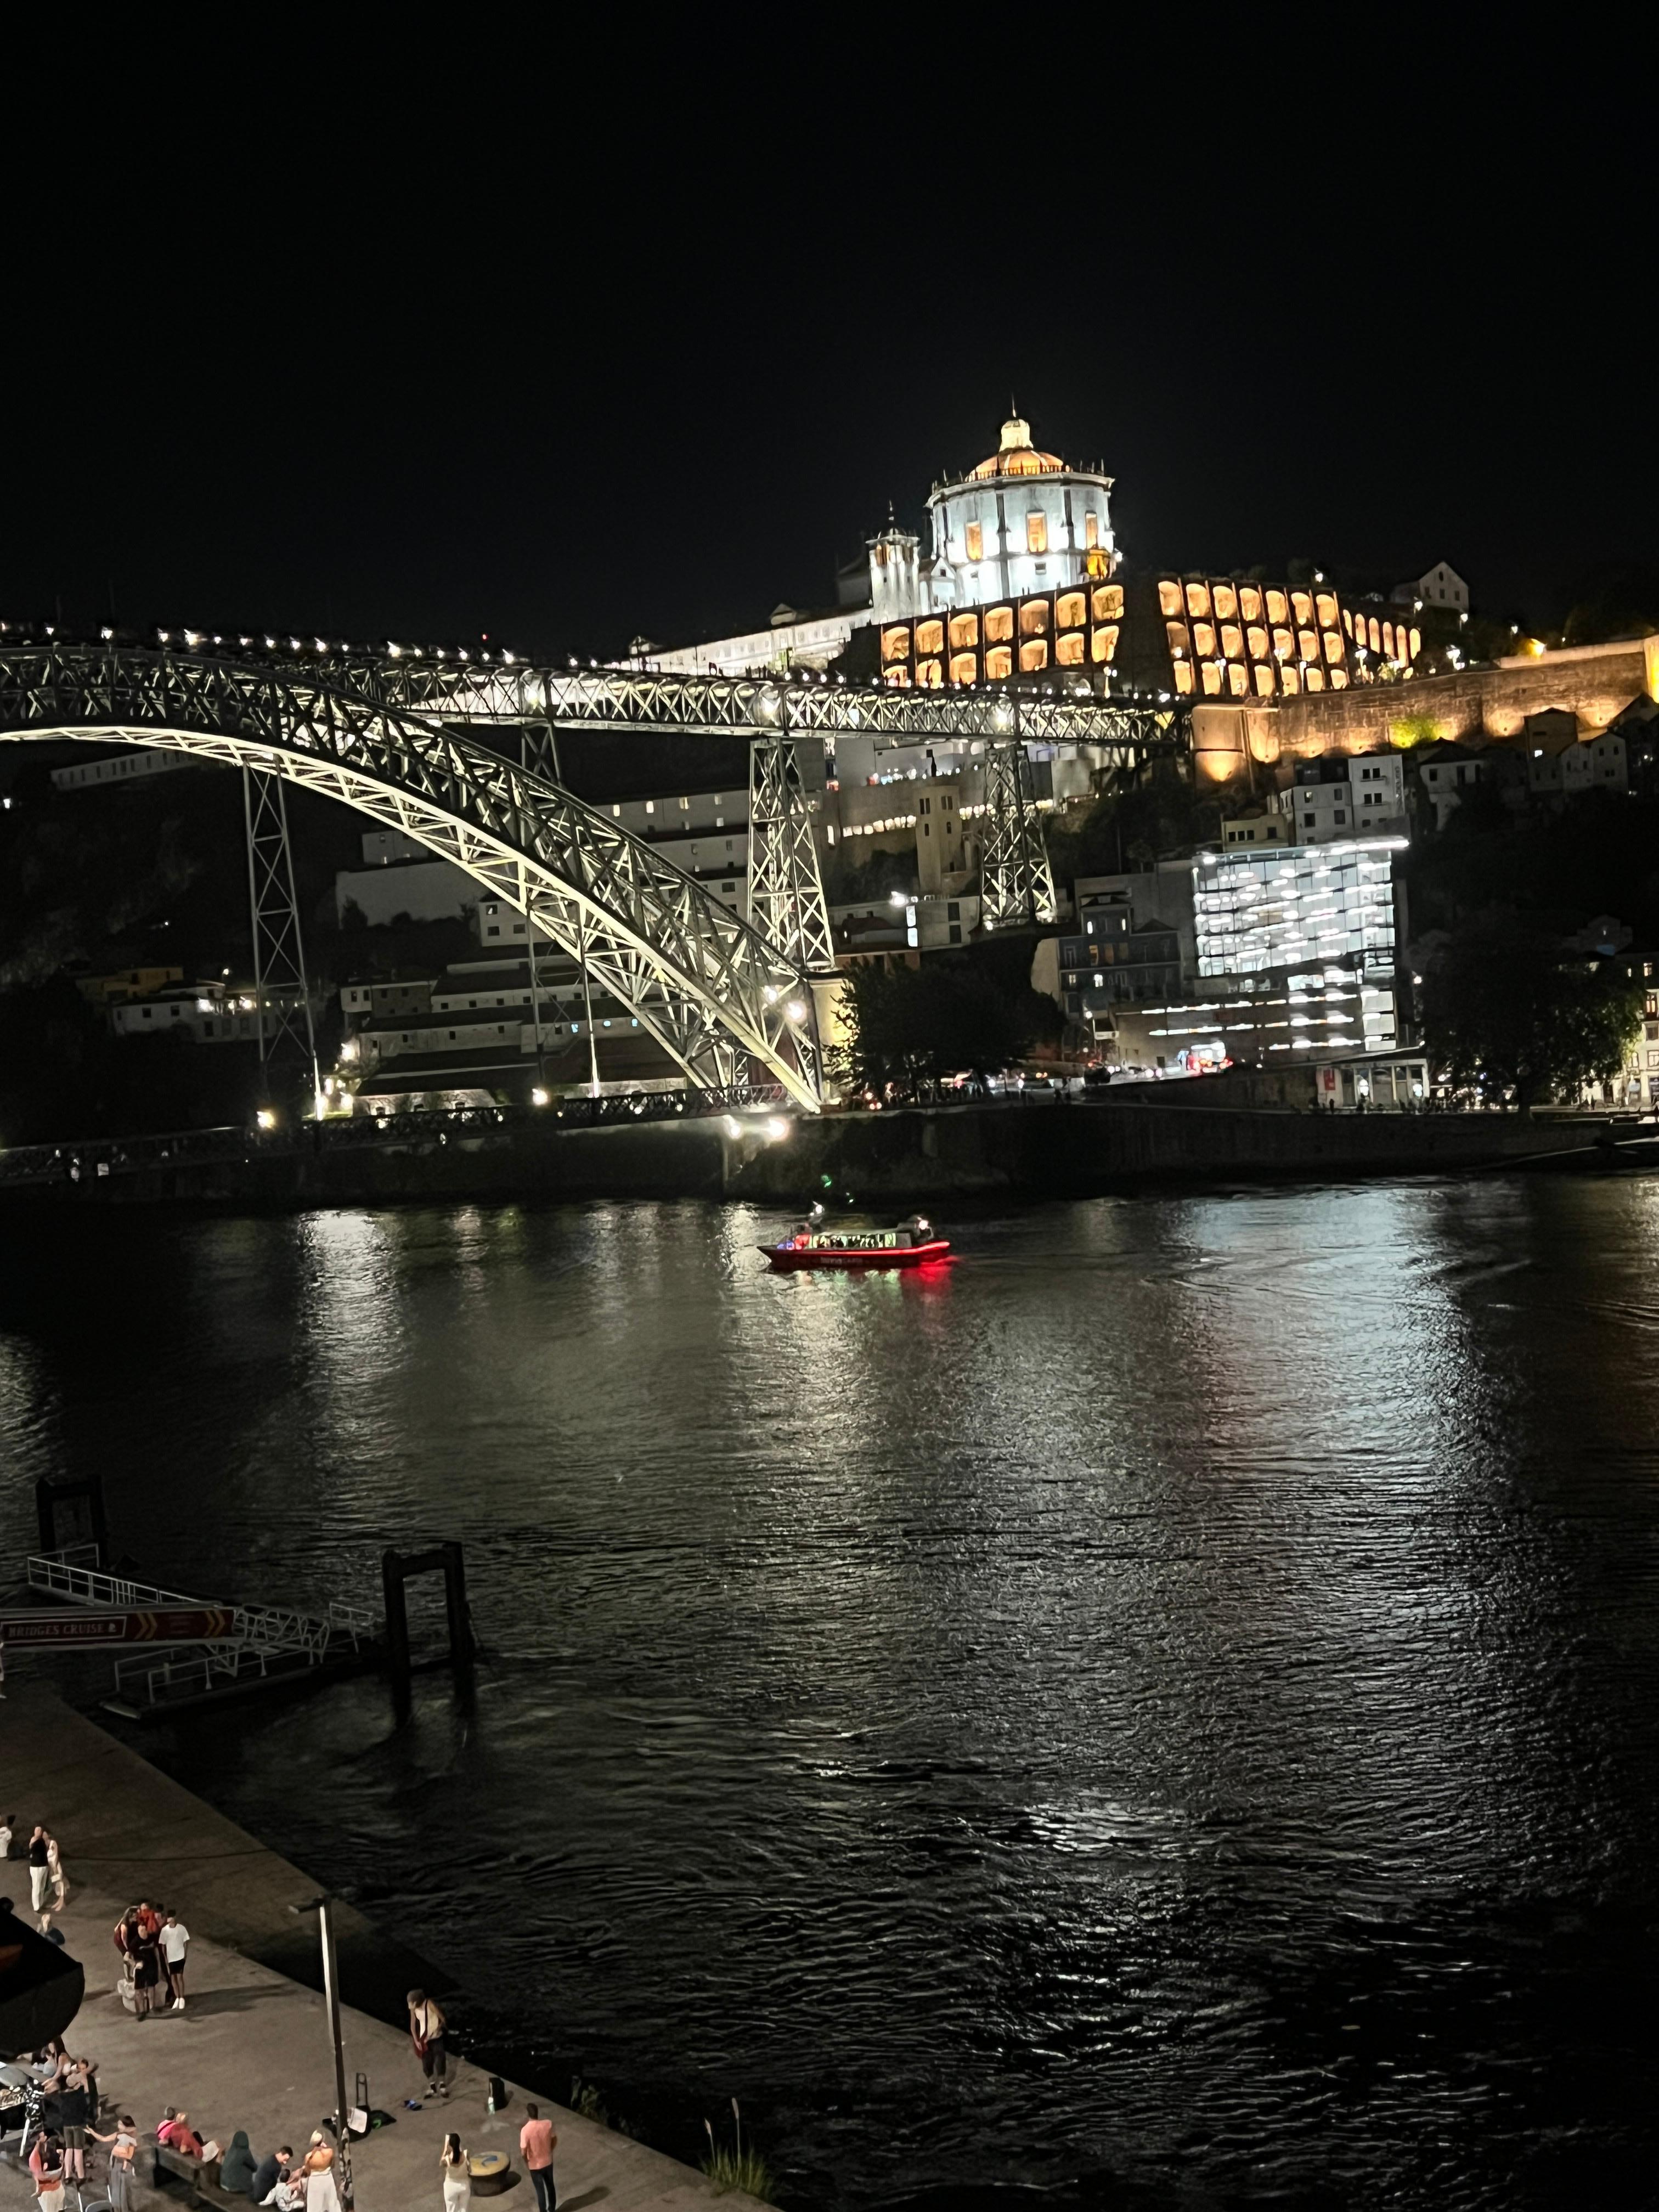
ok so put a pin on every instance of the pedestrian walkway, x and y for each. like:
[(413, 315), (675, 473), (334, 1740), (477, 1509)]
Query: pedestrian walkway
[(251, 2049)]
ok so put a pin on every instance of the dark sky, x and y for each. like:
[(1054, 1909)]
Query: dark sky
[(389, 335)]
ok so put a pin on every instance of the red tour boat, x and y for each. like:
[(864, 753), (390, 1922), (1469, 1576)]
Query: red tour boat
[(912, 1245)]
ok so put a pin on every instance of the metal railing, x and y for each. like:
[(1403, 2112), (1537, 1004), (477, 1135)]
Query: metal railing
[(273, 1631)]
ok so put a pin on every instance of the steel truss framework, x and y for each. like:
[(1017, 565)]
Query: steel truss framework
[(282, 994), (1016, 882), (786, 888), (713, 992)]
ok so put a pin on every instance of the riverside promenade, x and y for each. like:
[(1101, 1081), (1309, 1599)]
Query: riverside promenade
[(251, 2048)]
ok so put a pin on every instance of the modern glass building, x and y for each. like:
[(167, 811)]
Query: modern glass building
[(1297, 907)]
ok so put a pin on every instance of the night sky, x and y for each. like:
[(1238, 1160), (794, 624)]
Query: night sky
[(396, 339)]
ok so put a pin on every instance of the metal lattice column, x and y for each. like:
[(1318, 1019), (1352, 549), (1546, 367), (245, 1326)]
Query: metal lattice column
[(281, 996), (786, 889), (1016, 883)]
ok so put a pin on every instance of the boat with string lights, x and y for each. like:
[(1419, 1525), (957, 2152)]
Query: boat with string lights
[(912, 1243)]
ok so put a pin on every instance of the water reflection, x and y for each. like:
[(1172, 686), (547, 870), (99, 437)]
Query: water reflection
[(1170, 1697)]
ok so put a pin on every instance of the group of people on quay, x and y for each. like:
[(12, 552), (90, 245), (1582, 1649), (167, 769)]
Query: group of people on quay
[(67, 2129)]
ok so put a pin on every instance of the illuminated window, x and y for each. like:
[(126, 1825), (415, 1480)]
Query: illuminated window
[(930, 676), (1307, 643), (1326, 604), (1283, 642), (1169, 597), (1232, 638), (1249, 602), (1238, 678), (1339, 679), (1033, 654), (964, 630), (1211, 679), (1198, 599), (1091, 529), (1037, 534), (964, 666), (1264, 679), (999, 663), (1183, 676), (1069, 611), (998, 625), (1257, 639), (974, 537), (1227, 602), (930, 637), (899, 677), (1068, 650), (1315, 679), (1333, 646), (1417, 643), (896, 644), (1347, 621), (1034, 619), (1388, 639), (1377, 635), (1176, 634), (1302, 603), (1108, 604), (1290, 681), (1104, 645), (1203, 640)]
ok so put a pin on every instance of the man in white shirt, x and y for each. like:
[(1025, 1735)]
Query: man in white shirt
[(8, 1829), (175, 1942)]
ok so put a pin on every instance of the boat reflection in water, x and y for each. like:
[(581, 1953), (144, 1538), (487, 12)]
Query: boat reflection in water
[(912, 1245)]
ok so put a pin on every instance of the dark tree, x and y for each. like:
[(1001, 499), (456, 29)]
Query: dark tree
[(1506, 1008)]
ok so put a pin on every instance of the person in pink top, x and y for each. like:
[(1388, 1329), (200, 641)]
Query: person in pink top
[(536, 2141)]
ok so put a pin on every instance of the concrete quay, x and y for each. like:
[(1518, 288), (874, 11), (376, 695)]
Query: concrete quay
[(251, 2049)]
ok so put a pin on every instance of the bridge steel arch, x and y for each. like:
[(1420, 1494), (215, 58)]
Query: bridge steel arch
[(712, 991)]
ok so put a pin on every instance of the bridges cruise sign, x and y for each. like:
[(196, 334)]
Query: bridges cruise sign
[(204, 1624)]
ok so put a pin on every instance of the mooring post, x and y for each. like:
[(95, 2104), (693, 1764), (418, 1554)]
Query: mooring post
[(50, 1499), (460, 1627), (397, 1619)]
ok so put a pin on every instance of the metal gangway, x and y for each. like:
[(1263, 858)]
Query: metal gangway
[(264, 1642)]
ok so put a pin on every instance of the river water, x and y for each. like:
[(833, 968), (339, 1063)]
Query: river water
[(1163, 1710)]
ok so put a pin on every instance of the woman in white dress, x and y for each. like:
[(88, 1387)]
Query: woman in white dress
[(456, 2167)]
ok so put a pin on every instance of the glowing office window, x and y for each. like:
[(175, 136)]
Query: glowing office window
[(930, 675), (899, 678), (1108, 603), (1069, 611), (1176, 634), (973, 536), (1325, 607), (1034, 654), (1104, 645), (1169, 597), (1034, 619), (895, 643), (1238, 679), (998, 625), (1416, 643), (964, 630), (1303, 604), (1211, 679), (1036, 532), (964, 667), (1203, 640), (999, 663), (1249, 602), (1278, 608), (1068, 650), (1308, 644), (1232, 639), (1198, 599), (1227, 602), (1257, 638), (1263, 673), (1332, 639), (1315, 679), (1376, 629), (1183, 677), (1284, 645)]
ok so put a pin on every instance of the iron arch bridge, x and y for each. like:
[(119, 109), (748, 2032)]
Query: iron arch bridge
[(714, 991)]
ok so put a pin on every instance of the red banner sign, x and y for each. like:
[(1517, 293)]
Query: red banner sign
[(195, 1625)]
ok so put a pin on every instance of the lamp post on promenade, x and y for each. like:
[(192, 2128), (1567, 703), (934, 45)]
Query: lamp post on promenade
[(322, 1906)]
